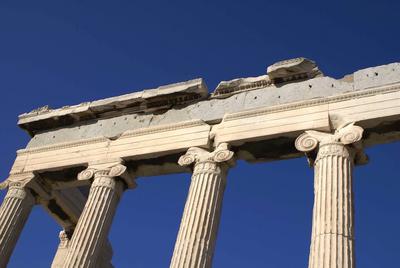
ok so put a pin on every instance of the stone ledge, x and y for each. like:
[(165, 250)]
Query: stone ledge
[(145, 101)]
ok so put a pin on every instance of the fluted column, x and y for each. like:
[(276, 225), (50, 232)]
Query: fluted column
[(62, 249), (90, 234), (14, 213), (332, 239), (197, 235), (104, 260)]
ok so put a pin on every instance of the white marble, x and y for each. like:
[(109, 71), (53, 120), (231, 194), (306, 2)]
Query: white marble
[(14, 212), (332, 239), (197, 235), (91, 232)]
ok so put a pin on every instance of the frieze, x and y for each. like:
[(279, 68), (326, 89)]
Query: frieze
[(127, 134), (333, 149), (310, 103), (228, 117)]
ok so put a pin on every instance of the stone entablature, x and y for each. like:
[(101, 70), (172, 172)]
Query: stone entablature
[(212, 110), (150, 100), (82, 158), (369, 108)]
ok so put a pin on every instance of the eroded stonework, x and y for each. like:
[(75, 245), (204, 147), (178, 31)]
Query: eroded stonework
[(82, 158)]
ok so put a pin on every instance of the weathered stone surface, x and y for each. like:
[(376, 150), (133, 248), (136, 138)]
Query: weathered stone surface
[(293, 69), (377, 76), (91, 232), (148, 131), (197, 235), (210, 111), (14, 212), (213, 110), (228, 88), (71, 201), (332, 239), (104, 260), (145, 101)]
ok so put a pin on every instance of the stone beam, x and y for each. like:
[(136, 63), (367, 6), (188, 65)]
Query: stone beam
[(230, 97), (149, 100), (370, 108), (134, 144)]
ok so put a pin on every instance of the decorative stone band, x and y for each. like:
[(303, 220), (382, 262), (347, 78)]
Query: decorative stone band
[(334, 149), (15, 190), (28, 180), (102, 175), (332, 144), (207, 167), (18, 180), (198, 155)]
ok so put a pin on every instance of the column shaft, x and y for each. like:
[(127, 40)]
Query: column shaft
[(14, 212), (194, 247), (332, 240), (91, 232)]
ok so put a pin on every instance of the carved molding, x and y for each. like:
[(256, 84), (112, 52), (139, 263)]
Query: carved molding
[(102, 181), (18, 180), (162, 128), (332, 144), (127, 134), (87, 174), (199, 155), (116, 171), (28, 180), (347, 134), (16, 192), (228, 117), (309, 103), (333, 149), (107, 172), (113, 171), (306, 143), (64, 239)]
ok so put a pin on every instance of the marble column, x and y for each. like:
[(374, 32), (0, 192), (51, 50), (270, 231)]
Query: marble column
[(197, 234), (104, 260), (62, 249), (91, 232), (14, 213), (332, 239)]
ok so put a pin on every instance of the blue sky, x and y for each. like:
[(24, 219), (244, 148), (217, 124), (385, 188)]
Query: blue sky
[(67, 52)]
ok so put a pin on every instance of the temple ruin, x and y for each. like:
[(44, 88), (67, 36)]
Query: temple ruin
[(82, 158)]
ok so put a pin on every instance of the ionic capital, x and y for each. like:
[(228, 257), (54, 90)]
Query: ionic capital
[(19, 183), (198, 155), (19, 180), (108, 170), (329, 143)]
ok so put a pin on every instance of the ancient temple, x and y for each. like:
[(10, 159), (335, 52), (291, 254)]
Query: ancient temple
[(82, 158)]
